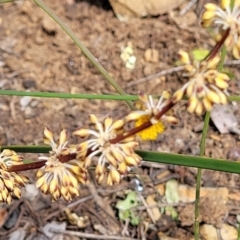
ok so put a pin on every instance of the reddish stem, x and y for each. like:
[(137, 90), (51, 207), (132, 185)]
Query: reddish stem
[(145, 125), (27, 166), (218, 45)]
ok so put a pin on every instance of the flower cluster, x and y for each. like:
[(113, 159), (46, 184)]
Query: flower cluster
[(205, 86), (117, 158), (223, 18), (57, 178), (10, 182), (148, 111)]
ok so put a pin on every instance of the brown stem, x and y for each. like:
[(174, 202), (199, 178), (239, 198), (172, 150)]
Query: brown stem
[(27, 166), (218, 45), (145, 125), (39, 164)]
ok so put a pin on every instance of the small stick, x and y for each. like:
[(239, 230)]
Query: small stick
[(149, 211), (92, 236), (162, 73), (187, 7)]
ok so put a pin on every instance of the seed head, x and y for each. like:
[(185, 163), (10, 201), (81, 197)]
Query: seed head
[(115, 159), (206, 84), (57, 178), (224, 17), (10, 182)]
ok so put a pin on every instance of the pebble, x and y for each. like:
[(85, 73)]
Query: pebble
[(151, 55), (24, 102), (49, 26), (208, 232), (29, 83)]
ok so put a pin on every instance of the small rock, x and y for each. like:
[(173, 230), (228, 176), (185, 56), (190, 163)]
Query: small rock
[(228, 232), (12, 219), (208, 232), (34, 103), (126, 9), (148, 70), (49, 26), (26, 7), (19, 234), (189, 19), (29, 113), (39, 38), (126, 75), (29, 83), (30, 192), (151, 55), (50, 227), (25, 101), (198, 127)]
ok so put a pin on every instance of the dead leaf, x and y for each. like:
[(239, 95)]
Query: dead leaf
[(155, 210), (223, 118), (19, 234), (101, 229), (160, 188), (52, 227), (187, 194), (3, 216), (74, 219), (171, 192)]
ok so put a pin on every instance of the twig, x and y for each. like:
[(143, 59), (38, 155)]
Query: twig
[(187, 7), (153, 165), (162, 73), (232, 62), (114, 225), (99, 201), (92, 236), (71, 205), (158, 205), (149, 211), (34, 213), (125, 228)]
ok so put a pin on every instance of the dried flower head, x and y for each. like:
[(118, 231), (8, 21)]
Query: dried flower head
[(148, 110), (117, 158), (10, 182), (60, 179), (223, 18), (205, 86)]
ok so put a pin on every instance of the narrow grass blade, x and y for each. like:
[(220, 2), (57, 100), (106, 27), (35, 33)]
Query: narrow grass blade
[(68, 95)]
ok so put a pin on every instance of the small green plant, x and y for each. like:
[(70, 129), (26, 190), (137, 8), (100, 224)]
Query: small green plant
[(125, 208)]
